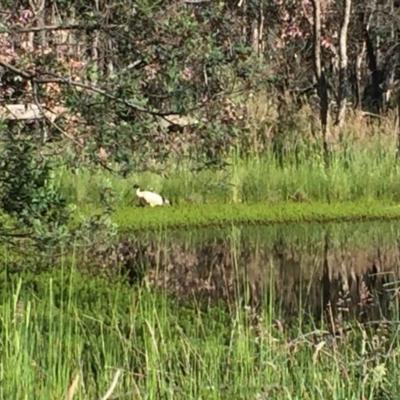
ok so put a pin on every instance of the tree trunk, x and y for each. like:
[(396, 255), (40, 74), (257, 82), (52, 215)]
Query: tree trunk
[(321, 79), (38, 8), (257, 25), (95, 50), (343, 81), (110, 65), (365, 22), (397, 94)]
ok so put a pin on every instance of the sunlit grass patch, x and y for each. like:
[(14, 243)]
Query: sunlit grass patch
[(353, 175)]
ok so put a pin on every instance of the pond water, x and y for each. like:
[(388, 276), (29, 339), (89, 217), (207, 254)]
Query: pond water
[(348, 270), (290, 299)]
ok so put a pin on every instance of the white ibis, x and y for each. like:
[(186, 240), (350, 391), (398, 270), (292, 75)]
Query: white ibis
[(151, 198)]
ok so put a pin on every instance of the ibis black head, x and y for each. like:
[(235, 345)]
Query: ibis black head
[(136, 186)]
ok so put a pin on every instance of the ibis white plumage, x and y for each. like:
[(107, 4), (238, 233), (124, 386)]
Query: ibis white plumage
[(151, 198)]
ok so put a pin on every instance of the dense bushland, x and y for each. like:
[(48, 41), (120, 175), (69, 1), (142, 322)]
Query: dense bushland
[(212, 103), (236, 75), (221, 94)]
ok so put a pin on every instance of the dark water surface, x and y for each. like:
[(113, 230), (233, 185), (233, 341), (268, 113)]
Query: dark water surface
[(344, 268)]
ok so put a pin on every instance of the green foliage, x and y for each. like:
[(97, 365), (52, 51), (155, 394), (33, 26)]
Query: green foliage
[(183, 62), (27, 190), (148, 58), (31, 197)]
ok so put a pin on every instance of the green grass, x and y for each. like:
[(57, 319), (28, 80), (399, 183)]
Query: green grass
[(359, 185), (57, 327), (356, 175), (189, 217)]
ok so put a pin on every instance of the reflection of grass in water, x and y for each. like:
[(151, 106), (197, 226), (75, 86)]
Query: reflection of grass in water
[(354, 175), (74, 325), (294, 236)]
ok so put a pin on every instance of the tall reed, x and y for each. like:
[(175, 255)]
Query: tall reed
[(354, 175), (66, 336)]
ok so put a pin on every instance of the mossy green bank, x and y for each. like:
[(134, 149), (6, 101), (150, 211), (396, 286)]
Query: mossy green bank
[(135, 218)]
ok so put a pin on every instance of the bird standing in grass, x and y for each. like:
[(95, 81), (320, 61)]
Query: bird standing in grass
[(151, 198)]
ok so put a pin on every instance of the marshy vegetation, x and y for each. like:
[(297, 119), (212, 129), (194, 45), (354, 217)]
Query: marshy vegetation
[(290, 312), (361, 183), (208, 299), (244, 288), (359, 173)]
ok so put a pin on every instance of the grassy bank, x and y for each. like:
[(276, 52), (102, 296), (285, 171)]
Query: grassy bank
[(360, 184), (357, 175), (69, 336), (130, 218)]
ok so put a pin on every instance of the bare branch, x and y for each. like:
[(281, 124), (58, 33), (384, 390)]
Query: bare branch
[(112, 386), (16, 71), (36, 78), (85, 27)]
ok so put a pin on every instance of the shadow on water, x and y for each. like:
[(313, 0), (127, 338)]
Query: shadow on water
[(336, 271)]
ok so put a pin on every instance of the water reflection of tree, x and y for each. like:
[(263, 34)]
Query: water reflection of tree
[(346, 281)]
